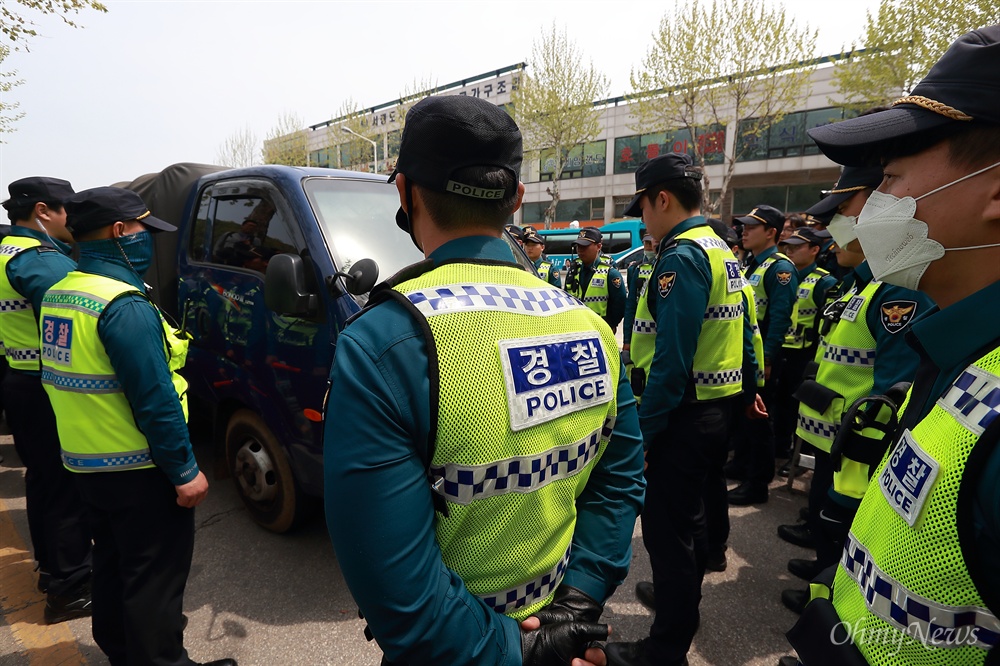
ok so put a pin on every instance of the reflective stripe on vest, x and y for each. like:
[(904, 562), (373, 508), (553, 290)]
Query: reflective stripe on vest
[(717, 367), (759, 292), (847, 366), (17, 317), (904, 572), (805, 311), (544, 270), (97, 429), (526, 404), (597, 291), (758, 339)]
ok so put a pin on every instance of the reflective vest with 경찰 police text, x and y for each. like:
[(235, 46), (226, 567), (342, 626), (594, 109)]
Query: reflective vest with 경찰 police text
[(17, 316), (717, 368), (597, 290), (805, 312), (526, 395), (97, 431), (903, 589)]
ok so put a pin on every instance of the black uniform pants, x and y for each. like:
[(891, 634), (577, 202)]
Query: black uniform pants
[(754, 447), (59, 533), (143, 543), (785, 407), (681, 458)]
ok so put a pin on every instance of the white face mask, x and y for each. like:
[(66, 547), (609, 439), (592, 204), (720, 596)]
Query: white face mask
[(895, 243), (841, 227)]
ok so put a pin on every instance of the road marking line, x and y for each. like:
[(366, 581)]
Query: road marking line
[(23, 605)]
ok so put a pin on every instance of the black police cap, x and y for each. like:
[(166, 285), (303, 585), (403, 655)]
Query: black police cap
[(532, 236), (803, 235), (445, 134), (962, 87), (29, 191), (853, 179), (588, 235), (766, 215), (672, 166), (98, 207)]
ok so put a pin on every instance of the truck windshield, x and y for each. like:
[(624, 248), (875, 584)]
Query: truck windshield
[(359, 221)]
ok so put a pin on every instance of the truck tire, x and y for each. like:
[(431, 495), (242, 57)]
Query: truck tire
[(261, 473)]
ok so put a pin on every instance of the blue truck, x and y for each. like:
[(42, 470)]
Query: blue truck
[(267, 265)]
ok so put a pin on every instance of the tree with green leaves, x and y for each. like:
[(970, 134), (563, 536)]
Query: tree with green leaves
[(554, 104), (17, 21), (901, 41), (286, 143), (8, 110), (717, 66), (240, 149), (354, 146)]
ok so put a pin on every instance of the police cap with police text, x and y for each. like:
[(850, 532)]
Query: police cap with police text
[(766, 215), (445, 134), (588, 235), (962, 87), (853, 179), (29, 191), (99, 207), (672, 166)]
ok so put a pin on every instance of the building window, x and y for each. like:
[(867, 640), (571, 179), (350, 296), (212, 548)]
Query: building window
[(631, 152), (582, 161), (787, 198), (787, 137), (321, 158), (567, 210)]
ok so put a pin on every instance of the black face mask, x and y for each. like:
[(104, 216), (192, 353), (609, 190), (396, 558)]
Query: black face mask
[(403, 220)]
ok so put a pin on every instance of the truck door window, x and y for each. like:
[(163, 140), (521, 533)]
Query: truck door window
[(198, 245), (248, 229)]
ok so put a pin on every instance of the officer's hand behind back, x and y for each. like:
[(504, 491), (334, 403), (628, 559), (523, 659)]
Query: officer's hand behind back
[(558, 644), (570, 604), (192, 493)]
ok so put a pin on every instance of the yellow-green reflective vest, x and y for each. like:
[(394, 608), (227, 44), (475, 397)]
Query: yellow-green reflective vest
[(847, 367), (97, 431), (527, 378), (642, 276), (717, 369), (17, 316), (597, 291), (756, 281), (805, 312), (903, 589), (758, 339), (544, 269)]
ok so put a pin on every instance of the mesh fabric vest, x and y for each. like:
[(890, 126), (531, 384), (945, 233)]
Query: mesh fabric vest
[(847, 366), (758, 339), (756, 281), (717, 369), (526, 404), (805, 312), (97, 431), (544, 269), (17, 316), (904, 567), (597, 291), (643, 275)]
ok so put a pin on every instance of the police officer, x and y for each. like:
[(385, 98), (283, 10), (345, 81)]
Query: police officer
[(33, 257), (638, 275), (775, 284), (695, 376), (921, 561), (109, 365), (490, 472), (802, 248), (534, 246), (593, 279)]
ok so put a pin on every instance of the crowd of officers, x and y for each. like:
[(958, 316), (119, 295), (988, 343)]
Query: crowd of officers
[(482, 495)]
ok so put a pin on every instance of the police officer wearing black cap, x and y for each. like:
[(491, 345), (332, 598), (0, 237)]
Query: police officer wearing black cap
[(688, 341), (534, 247), (33, 257), (109, 365), (592, 278), (921, 564), (775, 284), (482, 497)]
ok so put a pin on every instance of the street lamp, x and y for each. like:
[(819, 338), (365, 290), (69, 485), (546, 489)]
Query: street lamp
[(344, 128)]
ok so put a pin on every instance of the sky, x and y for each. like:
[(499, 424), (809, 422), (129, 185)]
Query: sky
[(149, 83)]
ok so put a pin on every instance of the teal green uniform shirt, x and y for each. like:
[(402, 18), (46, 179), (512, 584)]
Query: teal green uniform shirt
[(378, 503)]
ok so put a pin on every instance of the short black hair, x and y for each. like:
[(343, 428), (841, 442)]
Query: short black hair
[(17, 212), (453, 211), (970, 145), (687, 191)]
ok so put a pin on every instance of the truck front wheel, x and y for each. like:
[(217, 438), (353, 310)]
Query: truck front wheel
[(261, 472)]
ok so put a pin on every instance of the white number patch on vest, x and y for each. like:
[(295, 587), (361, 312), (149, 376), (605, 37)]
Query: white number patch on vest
[(803, 294), (907, 479), (734, 279), (755, 279), (853, 307), (57, 339), (597, 282), (554, 375)]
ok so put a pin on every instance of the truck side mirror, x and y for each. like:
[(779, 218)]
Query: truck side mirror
[(361, 277), (285, 286)]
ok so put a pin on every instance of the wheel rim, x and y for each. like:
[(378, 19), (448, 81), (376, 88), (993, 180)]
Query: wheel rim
[(254, 470)]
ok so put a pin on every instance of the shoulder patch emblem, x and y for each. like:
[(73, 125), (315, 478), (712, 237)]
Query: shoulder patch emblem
[(666, 282), (784, 277), (896, 315), (616, 282)]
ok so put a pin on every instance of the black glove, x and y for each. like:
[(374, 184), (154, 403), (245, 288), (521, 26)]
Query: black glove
[(558, 644), (570, 605)]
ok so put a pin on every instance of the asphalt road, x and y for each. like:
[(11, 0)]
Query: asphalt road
[(268, 599)]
